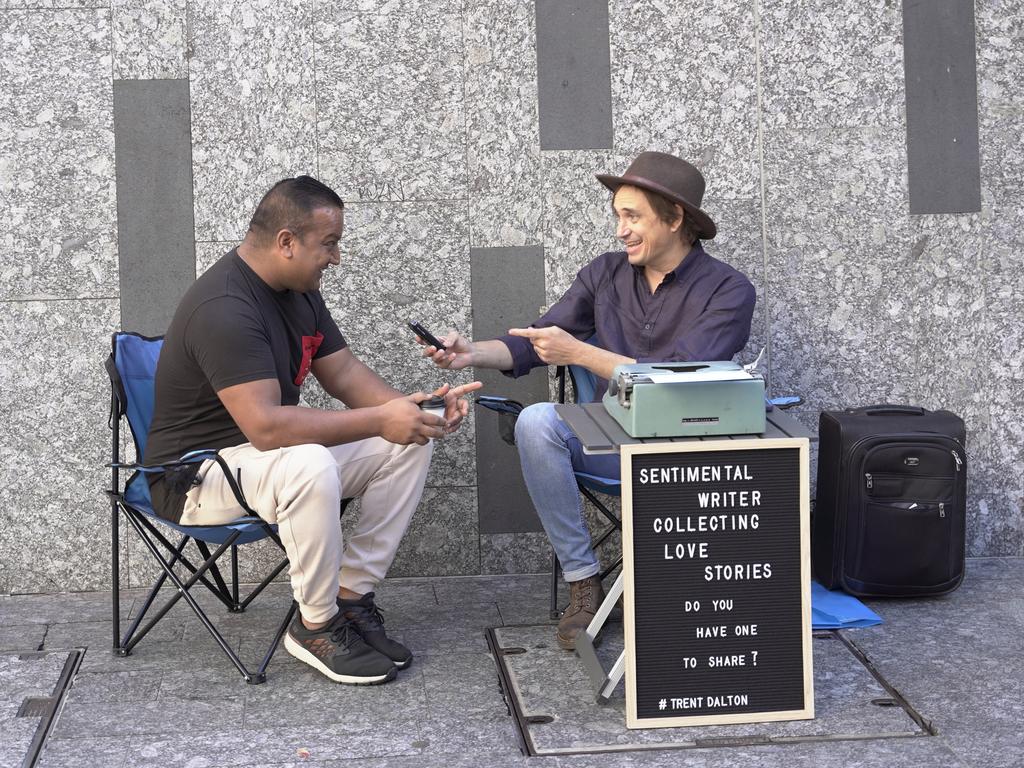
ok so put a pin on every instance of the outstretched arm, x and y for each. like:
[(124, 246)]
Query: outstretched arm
[(557, 347), (460, 352)]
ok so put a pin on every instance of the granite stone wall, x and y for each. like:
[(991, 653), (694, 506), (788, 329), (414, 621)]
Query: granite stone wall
[(424, 115)]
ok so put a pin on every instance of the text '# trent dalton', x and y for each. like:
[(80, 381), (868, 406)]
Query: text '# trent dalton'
[(731, 518)]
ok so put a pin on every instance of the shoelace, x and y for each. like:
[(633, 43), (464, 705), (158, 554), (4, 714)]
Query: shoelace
[(345, 633), (581, 593), (368, 619)]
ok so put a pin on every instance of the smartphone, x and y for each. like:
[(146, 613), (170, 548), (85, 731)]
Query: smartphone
[(424, 334)]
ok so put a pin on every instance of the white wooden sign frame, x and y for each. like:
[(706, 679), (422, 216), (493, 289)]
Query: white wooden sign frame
[(708, 446)]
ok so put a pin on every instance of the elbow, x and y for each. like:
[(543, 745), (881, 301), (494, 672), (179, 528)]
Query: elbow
[(264, 444), (262, 436)]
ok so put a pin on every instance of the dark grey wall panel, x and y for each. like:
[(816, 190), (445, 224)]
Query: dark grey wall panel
[(507, 286), (574, 79), (942, 106), (155, 231)]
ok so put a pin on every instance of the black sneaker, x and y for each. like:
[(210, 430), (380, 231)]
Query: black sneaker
[(369, 622), (339, 652)]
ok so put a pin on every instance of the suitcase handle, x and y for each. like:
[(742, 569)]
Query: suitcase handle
[(876, 410)]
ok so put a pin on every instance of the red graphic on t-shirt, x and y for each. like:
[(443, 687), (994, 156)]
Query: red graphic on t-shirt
[(310, 344)]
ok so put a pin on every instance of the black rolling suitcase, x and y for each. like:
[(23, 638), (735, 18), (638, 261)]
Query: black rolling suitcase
[(890, 514)]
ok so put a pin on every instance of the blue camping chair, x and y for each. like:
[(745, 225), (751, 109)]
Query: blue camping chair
[(132, 367), (583, 385)]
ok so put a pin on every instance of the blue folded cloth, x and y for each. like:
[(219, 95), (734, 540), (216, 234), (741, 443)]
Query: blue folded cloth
[(838, 610)]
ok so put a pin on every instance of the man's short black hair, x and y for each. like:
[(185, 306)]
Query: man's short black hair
[(289, 204)]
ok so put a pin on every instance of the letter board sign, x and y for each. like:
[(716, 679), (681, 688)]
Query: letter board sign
[(717, 582)]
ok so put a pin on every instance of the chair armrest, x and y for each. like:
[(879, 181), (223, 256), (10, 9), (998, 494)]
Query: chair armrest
[(193, 457), (508, 413), (500, 404)]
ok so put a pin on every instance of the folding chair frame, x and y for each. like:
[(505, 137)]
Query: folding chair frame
[(174, 555), (615, 523)]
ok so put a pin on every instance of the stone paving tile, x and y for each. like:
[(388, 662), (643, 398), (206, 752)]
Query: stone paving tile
[(524, 600), (452, 615), (99, 635), (17, 732), (429, 640), (63, 607), (447, 710), (112, 687), (304, 696), (21, 637), (272, 746), (507, 758), (466, 683), (29, 675), (84, 753), (465, 707), (13, 749), (206, 682), (922, 752), (526, 609), (991, 747), (151, 718), (158, 655), (473, 590)]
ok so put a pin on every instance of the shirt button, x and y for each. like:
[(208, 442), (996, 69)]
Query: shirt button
[(647, 326)]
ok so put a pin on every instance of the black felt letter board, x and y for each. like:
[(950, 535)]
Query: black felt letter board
[(718, 618)]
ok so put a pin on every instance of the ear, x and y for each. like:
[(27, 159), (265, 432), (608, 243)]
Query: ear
[(680, 217), (284, 240)]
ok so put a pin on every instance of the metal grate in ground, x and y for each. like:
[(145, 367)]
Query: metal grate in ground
[(33, 685), (552, 701)]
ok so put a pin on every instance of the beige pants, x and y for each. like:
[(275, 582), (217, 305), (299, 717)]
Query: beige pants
[(300, 489)]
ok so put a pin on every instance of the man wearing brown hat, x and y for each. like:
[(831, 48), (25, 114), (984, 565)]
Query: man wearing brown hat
[(662, 298)]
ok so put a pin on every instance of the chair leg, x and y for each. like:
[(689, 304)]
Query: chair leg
[(601, 507), (129, 640), (223, 596), (280, 566), (261, 673), (225, 593), (115, 570), (554, 613), (234, 576), (263, 584), (183, 592)]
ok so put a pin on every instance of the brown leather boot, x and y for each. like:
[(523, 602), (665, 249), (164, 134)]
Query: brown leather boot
[(585, 597)]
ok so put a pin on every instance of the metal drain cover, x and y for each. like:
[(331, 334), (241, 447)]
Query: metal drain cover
[(555, 709), (32, 687)]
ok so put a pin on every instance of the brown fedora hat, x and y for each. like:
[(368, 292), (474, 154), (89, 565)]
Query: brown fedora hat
[(671, 177)]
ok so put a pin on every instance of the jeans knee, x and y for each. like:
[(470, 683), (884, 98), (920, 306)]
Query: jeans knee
[(534, 425)]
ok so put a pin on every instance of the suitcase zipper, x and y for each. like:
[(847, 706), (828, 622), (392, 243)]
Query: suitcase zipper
[(956, 457), (942, 509), (870, 484)]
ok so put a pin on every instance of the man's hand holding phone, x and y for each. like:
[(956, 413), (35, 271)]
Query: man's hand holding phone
[(454, 351), (424, 336)]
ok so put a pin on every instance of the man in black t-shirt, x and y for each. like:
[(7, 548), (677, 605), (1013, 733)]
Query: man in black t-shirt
[(243, 339)]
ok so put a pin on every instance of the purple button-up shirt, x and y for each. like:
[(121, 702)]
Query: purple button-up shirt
[(701, 311)]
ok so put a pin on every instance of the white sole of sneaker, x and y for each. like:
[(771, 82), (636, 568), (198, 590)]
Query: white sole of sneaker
[(303, 655)]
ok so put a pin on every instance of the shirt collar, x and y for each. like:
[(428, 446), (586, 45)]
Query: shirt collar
[(692, 260), (696, 255)]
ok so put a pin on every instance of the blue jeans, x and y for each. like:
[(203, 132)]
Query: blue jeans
[(549, 453)]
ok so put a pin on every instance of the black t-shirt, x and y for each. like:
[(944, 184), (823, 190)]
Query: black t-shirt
[(230, 328)]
